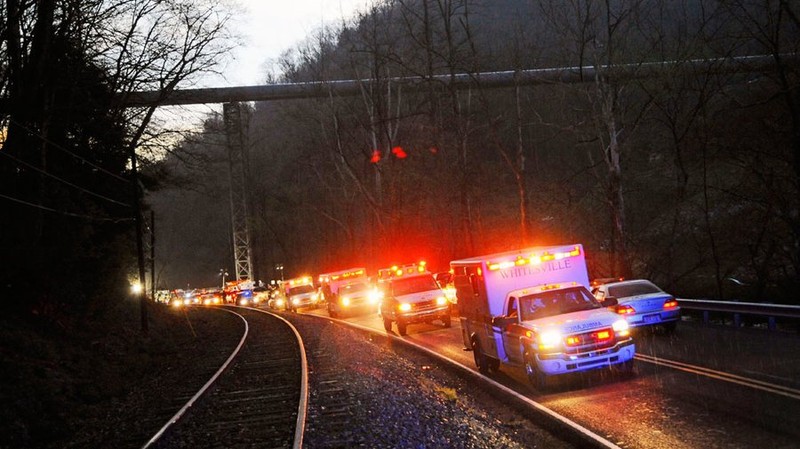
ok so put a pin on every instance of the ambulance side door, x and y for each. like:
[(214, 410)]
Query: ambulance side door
[(512, 331)]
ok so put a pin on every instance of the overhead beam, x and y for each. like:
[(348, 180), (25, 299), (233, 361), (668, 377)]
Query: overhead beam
[(509, 78)]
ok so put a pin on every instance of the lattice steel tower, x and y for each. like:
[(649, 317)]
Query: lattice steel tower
[(235, 129)]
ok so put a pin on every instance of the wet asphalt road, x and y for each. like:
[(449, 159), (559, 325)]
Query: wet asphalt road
[(665, 407)]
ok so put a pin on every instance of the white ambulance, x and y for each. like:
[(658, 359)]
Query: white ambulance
[(532, 308)]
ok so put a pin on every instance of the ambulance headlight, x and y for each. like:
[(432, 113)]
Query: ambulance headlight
[(296, 301), (404, 307), (279, 302), (549, 339), (621, 328), (346, 301), (441, 301)]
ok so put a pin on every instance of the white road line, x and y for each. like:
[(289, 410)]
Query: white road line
[(721, 375)]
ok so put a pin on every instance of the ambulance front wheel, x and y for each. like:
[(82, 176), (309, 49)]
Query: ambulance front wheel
[(535, 376), (401, 327), (447, 321), (627, 368), (387, 324)]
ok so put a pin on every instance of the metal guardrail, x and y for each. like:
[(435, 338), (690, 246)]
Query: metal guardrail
[(771, 311)]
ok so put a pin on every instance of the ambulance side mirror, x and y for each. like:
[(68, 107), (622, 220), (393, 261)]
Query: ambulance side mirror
[(503, 321)]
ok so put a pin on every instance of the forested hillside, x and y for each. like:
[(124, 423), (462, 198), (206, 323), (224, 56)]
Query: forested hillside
[(687, 176)]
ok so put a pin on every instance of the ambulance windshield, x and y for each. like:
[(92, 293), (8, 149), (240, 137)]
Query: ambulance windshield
[(556, 302)]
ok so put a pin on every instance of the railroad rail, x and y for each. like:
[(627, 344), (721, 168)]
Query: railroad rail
[(336, 409), (257, 398)]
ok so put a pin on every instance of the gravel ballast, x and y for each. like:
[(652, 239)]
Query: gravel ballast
[(401, 398)]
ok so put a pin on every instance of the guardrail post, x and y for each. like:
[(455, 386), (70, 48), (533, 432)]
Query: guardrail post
[(737, 320), (771, 325), (705, 316)]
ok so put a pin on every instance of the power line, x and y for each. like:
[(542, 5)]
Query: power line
[(69, 214), (19, 161), (48, 141)]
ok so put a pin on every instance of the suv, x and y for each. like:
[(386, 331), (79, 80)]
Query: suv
[(352, 297), (413, 298), (301, 296)]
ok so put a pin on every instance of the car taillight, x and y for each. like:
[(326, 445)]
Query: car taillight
[(625, 310), (670, 304)]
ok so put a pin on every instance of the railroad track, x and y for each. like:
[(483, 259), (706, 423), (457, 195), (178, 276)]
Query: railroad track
[(255, 399), (260, 397)]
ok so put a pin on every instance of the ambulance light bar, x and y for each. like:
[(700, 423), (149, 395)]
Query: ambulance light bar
[(534, 259)]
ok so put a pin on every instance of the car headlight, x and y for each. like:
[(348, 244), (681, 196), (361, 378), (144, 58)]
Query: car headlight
[(441, 301), (243, 301), (404, 307), (346, 301), (375, 296), (549, 339), (621, 328)]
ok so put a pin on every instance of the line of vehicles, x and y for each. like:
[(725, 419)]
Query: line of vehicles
[(532, 308), (242, 292)]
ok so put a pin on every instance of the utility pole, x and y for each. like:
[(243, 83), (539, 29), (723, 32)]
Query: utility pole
[(153, 255), (137, 217)]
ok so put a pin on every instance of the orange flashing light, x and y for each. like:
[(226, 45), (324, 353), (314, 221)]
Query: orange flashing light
[(572, 341), (534, 259)]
